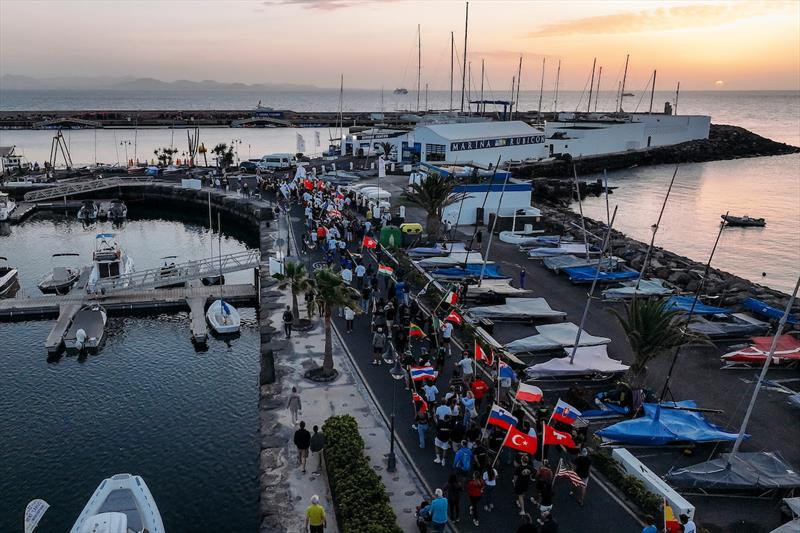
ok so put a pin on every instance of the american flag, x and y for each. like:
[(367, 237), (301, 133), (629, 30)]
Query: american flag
[(563, 471)]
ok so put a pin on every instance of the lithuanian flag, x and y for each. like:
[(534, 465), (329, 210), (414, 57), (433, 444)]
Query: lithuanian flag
[(415, 331), (384, 270)]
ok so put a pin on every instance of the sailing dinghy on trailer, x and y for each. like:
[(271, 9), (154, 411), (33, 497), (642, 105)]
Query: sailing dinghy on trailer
[(517, 309), (589, 361), (552, 337)]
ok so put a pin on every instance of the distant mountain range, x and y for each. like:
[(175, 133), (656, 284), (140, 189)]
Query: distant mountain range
[(11, 82)]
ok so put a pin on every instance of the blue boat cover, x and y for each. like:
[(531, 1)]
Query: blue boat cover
[(684, 303), (760, 308), (587, 273), (672, 425), (472, 270)]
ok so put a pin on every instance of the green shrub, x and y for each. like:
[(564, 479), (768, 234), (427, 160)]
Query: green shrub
[(632, 487), (359, 496)]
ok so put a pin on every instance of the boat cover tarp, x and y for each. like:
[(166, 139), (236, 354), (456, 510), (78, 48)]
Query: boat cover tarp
[(517, 308), (789, 527), (560, 262), (588, 273), (671, 425), (760, 308), (496, 286), (471, 271), (647, 287), (452, 259), (562, 249), (735, 325), (438, 249), (553, 337), (787, 350), (684, 303), (752, 471), (588, 360), (523, 239)]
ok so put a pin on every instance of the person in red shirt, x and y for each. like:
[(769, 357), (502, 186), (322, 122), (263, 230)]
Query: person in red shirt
[(479, 389), (474, 492), (321, 232)]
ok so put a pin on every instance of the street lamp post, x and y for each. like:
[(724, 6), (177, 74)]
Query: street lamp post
[(397, 374)]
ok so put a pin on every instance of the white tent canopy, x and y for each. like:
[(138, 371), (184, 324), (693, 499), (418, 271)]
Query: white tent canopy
[(588, 360), (553, 337)]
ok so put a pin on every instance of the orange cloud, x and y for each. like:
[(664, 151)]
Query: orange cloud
[(674, 18)]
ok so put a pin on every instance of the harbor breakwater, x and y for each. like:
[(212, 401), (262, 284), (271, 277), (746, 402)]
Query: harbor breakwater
[(682, 272), (724, 142)]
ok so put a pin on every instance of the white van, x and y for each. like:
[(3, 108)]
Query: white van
[(277, 161)]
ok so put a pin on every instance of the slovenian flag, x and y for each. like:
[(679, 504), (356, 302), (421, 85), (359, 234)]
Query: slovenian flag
[(565, 413), (501, 418), (419, 373), (454, 318), (451, 297), (415, 331), (384, 270), (529, 393), (369, 242)]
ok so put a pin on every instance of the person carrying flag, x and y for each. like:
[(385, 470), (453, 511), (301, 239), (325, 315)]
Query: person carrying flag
[(583, 466)]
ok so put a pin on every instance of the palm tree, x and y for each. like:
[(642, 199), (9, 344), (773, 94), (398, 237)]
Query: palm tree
[(433, 194), (332, 292), (652, 329), (295, 278), (387, 149)]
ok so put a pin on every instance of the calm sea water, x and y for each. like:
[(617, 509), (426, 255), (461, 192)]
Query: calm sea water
[(147, 404)]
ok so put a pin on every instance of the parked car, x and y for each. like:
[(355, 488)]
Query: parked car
[(250, 165)]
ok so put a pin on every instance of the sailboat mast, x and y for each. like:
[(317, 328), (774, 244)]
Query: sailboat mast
[(591, 87), (219, 249), (341, 104), (469, 88), (555, 98), (541, 93), (677, 93), (482, 105), (580, 210), (597, 92), (652, 91), (452, 53), (763, 374), (419, 62), (464, 69), (655, 230), (624, 79), (494, 222), (210, 226), (519, 78), (426, 97)]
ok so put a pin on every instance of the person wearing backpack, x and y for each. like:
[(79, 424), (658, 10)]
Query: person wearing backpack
[(462, 463)]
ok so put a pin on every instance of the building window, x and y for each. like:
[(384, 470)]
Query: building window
[(434, 152)]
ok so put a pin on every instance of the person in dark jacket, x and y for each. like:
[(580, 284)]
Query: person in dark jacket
[(317, 444), (302, 439), (288, 318)]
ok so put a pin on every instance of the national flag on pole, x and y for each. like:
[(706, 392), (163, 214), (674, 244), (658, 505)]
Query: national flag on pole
[(506, 371), (518, 440), (561, 438), (571, 475), (454, 318), (501, 418), (671, 523), (308, 184), (451, 297), (419, 373), (317, 142), (481, 355), (529, 393), (301, 143), (335, 213), (416, 398), (565, 413), (369, 242), (415, 331), (384, 270)]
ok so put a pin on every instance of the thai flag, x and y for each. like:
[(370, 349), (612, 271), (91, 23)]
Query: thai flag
[(501, 418), (565, 413), (419, 373)]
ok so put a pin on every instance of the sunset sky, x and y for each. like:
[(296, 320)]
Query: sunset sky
[(704, 45)]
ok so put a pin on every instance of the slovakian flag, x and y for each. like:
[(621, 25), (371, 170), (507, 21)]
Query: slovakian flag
[(454, 318), (423, 405), (565, 413), (384, 270), (553, 436), (369, 242), (518, 440), (415, 331), (419, 373), (481, 355), (501, 418), (451, 297), (529, 393)]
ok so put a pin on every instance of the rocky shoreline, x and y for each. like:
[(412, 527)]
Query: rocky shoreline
[(680, 271), (724, 142)]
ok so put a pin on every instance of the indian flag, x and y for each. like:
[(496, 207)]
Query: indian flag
[(384, 270), (415, 331)]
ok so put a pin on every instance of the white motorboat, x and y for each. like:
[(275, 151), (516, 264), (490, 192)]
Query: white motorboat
[(168, 273), (109, 262), (88, 211), (121, 504), (9, 280), (118, 210), (87, 330), (62, 277), (223, 317), (7, 205)]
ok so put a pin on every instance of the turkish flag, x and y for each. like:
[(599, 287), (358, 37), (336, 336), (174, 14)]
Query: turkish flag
[(520, 441), (553, 436)]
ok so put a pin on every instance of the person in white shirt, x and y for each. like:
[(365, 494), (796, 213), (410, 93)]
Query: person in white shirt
[(430, 391), (349, 315), (447, 333), (688, 524), (360, 271), (466, 365), (347, 275), (442, 410)]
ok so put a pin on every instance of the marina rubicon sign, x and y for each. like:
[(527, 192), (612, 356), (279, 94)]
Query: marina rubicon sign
[(480, 144)]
